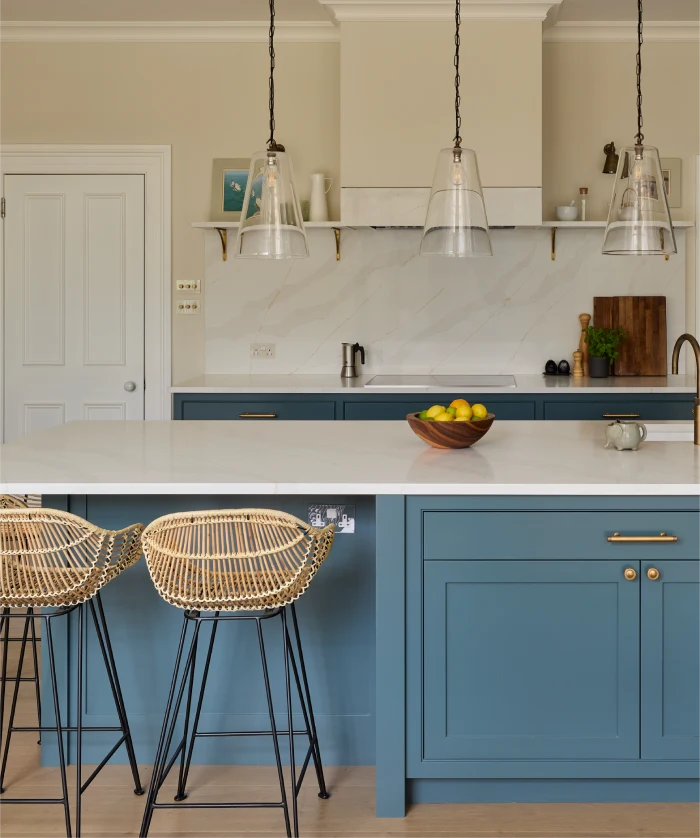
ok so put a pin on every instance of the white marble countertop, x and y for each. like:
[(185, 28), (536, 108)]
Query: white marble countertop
[(332, 458), (333, 384)]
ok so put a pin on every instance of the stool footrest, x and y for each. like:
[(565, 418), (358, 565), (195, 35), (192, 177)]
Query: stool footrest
[(71, 729), (218, 805), (4, 800), (214, 733)]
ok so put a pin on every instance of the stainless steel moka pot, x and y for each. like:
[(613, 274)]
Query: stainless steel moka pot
[(349, 368)]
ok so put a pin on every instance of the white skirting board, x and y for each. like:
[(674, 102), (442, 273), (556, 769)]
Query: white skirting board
[(406, 207)]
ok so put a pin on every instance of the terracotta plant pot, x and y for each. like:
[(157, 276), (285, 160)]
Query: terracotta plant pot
[(598, 367)]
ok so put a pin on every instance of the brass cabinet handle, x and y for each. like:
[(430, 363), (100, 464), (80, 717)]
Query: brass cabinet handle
[(621, 415), (257, 415), (653, 574), (630, 574), (662, 538)]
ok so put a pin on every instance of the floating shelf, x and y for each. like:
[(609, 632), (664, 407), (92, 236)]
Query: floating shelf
[(589, 225), (222, 228)]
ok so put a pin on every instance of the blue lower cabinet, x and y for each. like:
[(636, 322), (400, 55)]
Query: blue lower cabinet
[(530, 660), (670, 660), (620, 408), (206, 407), (389, 409)]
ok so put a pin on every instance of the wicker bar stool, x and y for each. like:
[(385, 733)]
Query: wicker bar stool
[(252, 560), (54, 560), (18, 502)]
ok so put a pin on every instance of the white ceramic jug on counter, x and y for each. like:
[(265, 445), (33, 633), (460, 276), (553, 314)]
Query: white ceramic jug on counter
[(625, 435), (318, 207)]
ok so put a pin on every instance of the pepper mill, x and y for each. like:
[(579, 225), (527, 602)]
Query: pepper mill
[(578, 365), (582, 345)]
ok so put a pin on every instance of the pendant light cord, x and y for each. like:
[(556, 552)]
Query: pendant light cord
[(272, 145), (640, 41), (458, 100)]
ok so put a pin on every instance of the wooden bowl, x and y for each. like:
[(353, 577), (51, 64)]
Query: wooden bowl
[(450, 434)]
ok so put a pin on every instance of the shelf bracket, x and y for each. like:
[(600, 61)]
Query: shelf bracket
[(553, 236), (223, 235), (336, 233)]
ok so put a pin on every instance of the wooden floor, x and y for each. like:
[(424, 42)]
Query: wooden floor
[(111, 809)]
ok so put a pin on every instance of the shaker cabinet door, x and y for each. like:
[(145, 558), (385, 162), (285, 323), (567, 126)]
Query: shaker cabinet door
[(530, 660), (670, 660)]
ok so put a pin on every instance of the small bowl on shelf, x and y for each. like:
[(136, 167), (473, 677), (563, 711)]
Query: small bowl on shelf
[(449, 435), (566, 213)]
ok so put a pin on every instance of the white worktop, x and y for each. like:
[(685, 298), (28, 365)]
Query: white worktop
[(332, 458), (332, 384)]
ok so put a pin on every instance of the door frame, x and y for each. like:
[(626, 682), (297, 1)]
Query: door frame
[(154, 163)]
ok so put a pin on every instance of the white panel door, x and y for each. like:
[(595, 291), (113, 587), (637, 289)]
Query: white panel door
[(74, 300)]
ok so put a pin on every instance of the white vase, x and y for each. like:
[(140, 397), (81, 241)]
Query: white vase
[(318, 210)]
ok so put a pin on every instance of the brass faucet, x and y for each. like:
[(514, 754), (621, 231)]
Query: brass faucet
[(674, 369)]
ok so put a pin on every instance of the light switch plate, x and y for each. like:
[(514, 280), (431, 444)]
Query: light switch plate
[(340, 514), (187, 306), (190, 286)]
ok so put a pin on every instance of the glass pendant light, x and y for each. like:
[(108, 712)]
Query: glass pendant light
[(456, 224), (271, 225), (639, 221)]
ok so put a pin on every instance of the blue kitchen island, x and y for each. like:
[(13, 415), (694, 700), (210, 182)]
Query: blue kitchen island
[(487, 633)]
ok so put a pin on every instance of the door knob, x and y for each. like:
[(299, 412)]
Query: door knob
[(653, 574), (129, 386), (630, 574)]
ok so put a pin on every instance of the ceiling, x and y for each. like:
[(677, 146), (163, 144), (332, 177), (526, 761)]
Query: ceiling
[(301, 10)]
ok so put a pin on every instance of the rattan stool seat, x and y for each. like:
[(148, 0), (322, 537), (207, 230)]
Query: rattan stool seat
[(50, 558), (230, 560)]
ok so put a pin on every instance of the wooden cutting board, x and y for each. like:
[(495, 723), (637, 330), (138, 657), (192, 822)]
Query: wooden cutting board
[(644, 321)]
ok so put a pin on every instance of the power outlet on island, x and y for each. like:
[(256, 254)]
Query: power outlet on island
[(340, 514), (262, 350)]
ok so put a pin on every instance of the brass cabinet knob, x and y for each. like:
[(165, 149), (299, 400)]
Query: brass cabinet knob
[(653, 574), (630, 573)]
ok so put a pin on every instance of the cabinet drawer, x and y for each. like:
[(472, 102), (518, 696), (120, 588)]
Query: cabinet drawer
[(650, 410), (260, 409), (398, 410), (557, 535)]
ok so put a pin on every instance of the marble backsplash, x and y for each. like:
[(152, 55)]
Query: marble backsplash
[(506, 314)]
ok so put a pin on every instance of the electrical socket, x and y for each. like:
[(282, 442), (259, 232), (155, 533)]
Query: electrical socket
[(187, 307), (262, 350), (191, 285), (340, 514)]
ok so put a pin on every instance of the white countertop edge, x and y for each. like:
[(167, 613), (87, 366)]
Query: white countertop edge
[(457, 490), (407, 391)]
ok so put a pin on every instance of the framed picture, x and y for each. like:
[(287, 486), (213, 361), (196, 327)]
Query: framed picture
[(671, 172), (229, 179)]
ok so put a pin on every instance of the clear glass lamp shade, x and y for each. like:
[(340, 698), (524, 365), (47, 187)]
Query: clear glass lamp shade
[(639, 221), (271, 226), (456, 224)]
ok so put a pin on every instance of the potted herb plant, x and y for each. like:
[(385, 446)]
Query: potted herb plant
[(602, 349)]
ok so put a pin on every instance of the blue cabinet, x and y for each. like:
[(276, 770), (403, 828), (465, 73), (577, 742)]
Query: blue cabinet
[(616, 407), (209, 406), (530, 660), (503, 408), (670, 660)]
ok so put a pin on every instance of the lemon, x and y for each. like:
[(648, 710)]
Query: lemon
[(461, 419), (452, 411), (479, 411), (423, 414), (444, 417), (464, 412), (434, 411), (460, 403)]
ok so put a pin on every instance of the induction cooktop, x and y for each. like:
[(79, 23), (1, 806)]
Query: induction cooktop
[(443, 382)]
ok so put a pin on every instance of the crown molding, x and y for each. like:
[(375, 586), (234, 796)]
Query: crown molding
[(346, 11), (571, 31), (210, 31)]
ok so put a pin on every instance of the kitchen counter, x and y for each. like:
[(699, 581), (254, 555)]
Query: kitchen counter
[(524, 384), (369, 457)]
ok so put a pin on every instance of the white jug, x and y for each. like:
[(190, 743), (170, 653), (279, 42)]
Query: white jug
[(318, 209)]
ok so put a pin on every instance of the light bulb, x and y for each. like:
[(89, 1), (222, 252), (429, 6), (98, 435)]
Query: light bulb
[(457, 171), (271, 171)]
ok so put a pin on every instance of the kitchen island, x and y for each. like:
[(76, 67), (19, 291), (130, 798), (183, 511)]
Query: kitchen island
[(482, 635)]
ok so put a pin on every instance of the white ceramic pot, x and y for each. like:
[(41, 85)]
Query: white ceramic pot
[(625, 435), (566, 213), (318, 209)]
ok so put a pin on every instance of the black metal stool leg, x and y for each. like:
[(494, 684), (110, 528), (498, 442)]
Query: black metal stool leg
[(275, 740), (37, 677), (5, 625), (195, 725), (161, 767), (290, 720), (13, 708), (323, 792), (111, 667), (59, 729), (79, 728), (180, 793)]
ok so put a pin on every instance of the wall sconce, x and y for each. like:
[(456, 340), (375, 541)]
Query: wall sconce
[(611, 159)]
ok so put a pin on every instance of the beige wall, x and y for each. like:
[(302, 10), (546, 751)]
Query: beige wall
[(397, 101), (205, 100), (590, 99)]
